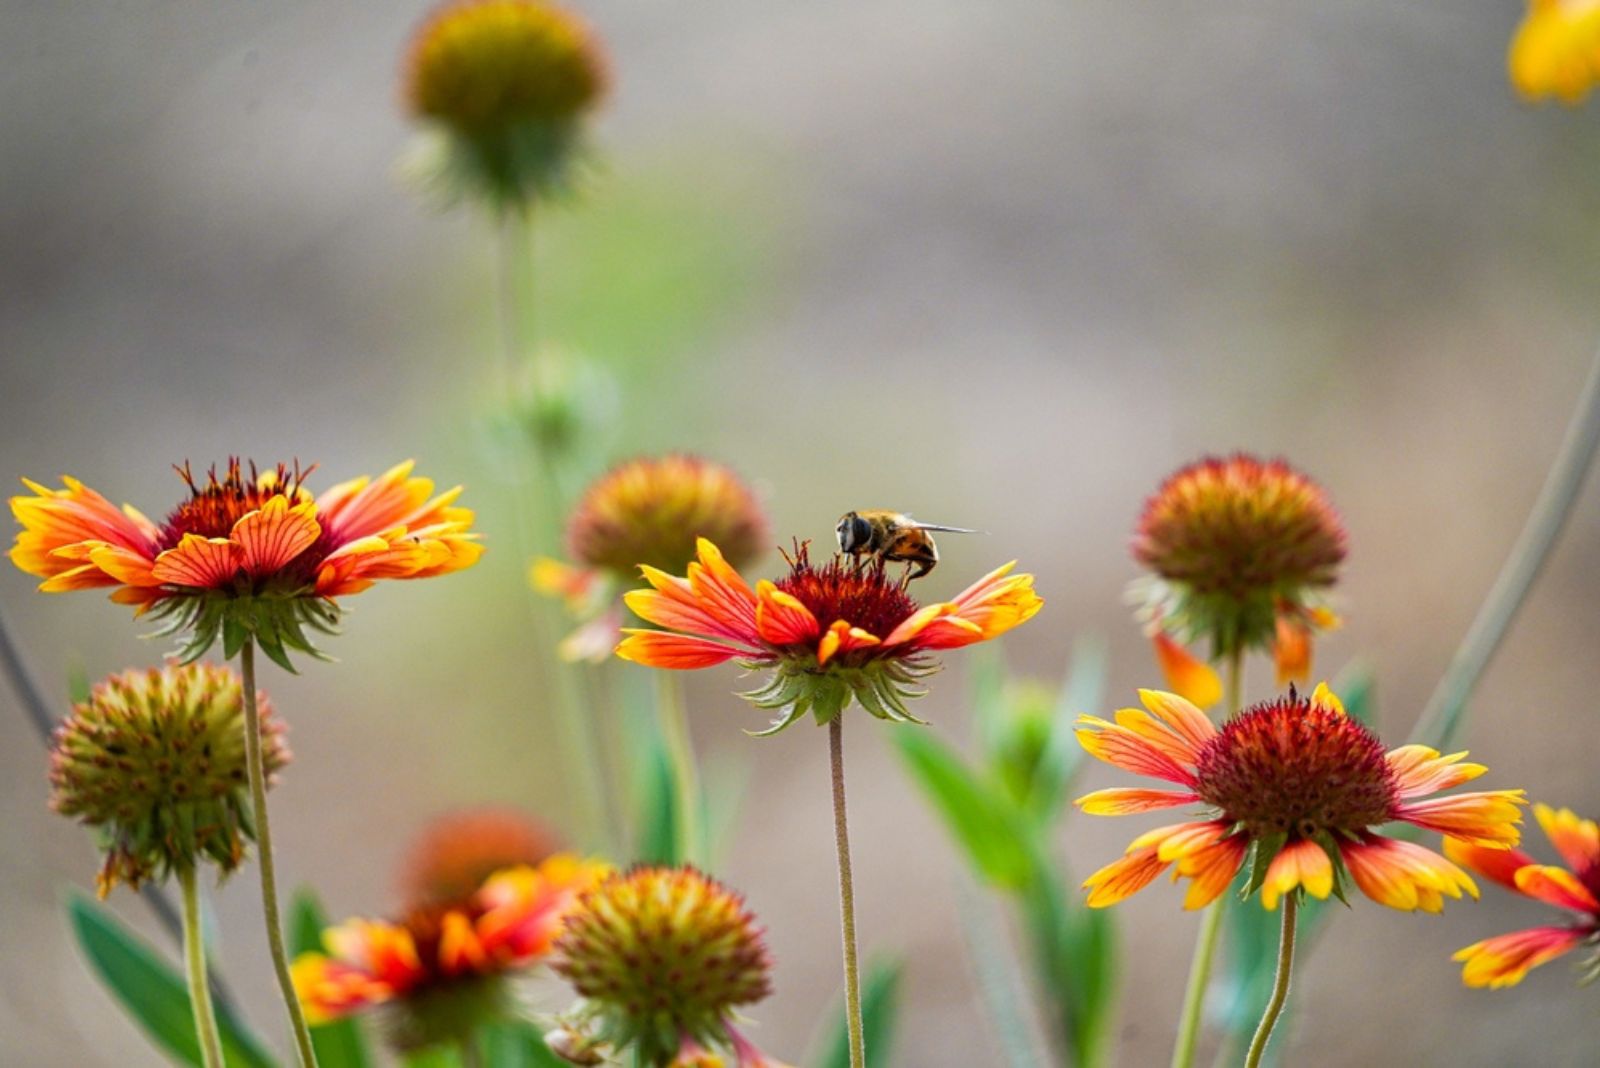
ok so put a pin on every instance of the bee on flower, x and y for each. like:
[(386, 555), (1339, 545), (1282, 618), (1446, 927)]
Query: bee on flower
[(1505, 960), (1297, 788), (650, 510), (245, 556), (444, 969), (1241, 552)]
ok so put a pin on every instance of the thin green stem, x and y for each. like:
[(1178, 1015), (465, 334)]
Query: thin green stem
[(194, 959), (540, 535), (269, 876), (1442, 716), (1205, 947), (685, 773), (847, 897), (1280, 985)]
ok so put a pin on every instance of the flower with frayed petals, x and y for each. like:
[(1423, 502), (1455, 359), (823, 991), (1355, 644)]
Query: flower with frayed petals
[(443, 969), (1299, 787), (507, 84), (154, 761), (245, 556), (1505, 959), (1238, 550), (828, 634), (663, 957), (1556, 50), (650, 510), (456, 852)]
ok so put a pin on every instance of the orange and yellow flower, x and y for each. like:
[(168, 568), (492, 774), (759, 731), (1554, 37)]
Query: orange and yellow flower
[(1300, 784), (456, 852), (443, 966), (828, 634), (648, 510), (1556, 50), (1239, 550), (1505, 959), (259, 553)]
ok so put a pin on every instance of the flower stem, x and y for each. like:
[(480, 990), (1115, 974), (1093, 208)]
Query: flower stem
[(1442, 716), (1205, 947), (269, 878), (1280, 985), (194, 959), (847, 896), (685, 774)]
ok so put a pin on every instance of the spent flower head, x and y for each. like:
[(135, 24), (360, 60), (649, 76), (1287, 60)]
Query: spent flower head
[(245, 555), (650, 510), (1297, 787), (828, 635), (1505, 959), (443, 969), (456, 852), (663, 958), (154, 761), (1240, 552), (507, 84)]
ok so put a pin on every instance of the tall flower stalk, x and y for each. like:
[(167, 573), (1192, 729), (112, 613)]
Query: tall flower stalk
[(194, 960), (847, 897)]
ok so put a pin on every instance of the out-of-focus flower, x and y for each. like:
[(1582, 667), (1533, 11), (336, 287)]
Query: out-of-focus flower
[(664, 957), (507, 83), (1239, 551), (455, 853), (827, 635), (1304, 786), (1556, 50), (1504, 959), (651, 510), (442, 970), (243, 557), (154, 761)]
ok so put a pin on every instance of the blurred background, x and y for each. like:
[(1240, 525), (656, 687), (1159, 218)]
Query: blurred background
[(1002, 265)]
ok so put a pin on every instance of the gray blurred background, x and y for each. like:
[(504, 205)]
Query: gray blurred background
[(1001, 264)]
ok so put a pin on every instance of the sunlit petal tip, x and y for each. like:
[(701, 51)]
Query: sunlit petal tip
[(1323, 695)]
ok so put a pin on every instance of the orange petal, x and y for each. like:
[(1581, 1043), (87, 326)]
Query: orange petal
[(1298, 864), (1122, 802), (1488, 817), (1403, 875), (274, 534), (53, 519), (680, 652), (207, 563), (1212, 870), (781, 619), (1291, 650), (1420, 770), (1181, 715), (1123, 878), (1127, 750), (1557, 886), (1499, 865), (1577, 840), (329, 989), (1504, 959), (1326, 698), (715, 581), (1186, 673)]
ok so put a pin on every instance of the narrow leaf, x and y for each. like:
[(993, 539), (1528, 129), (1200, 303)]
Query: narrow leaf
[(880, 1005), (985, 823)]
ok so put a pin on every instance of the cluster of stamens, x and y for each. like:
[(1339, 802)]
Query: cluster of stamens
[(1297, 767), (860, 593), (215, 505)]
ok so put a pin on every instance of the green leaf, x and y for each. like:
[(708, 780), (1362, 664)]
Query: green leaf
[(987, 825), (339, 1044), (1075, 956), (658, 817), (151, 991), (1083, 691), (880, 1005)]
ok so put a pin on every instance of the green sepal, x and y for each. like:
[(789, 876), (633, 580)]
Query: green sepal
[(1266, 848), (276, 621)]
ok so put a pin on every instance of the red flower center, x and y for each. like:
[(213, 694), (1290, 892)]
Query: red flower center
[(1295, 767), (862, 595), (213, 508)]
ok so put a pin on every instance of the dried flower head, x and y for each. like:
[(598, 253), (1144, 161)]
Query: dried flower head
[(455, 853), (664, 956), (828, 635), (154, 760), (1300, 785), (508, 81), (1239, 551), (650, 510), (1505, 959), (442, 970), (1556, 50), (245, 556)]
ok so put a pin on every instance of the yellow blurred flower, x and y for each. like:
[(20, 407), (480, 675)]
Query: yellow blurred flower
[(1556, 50)]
